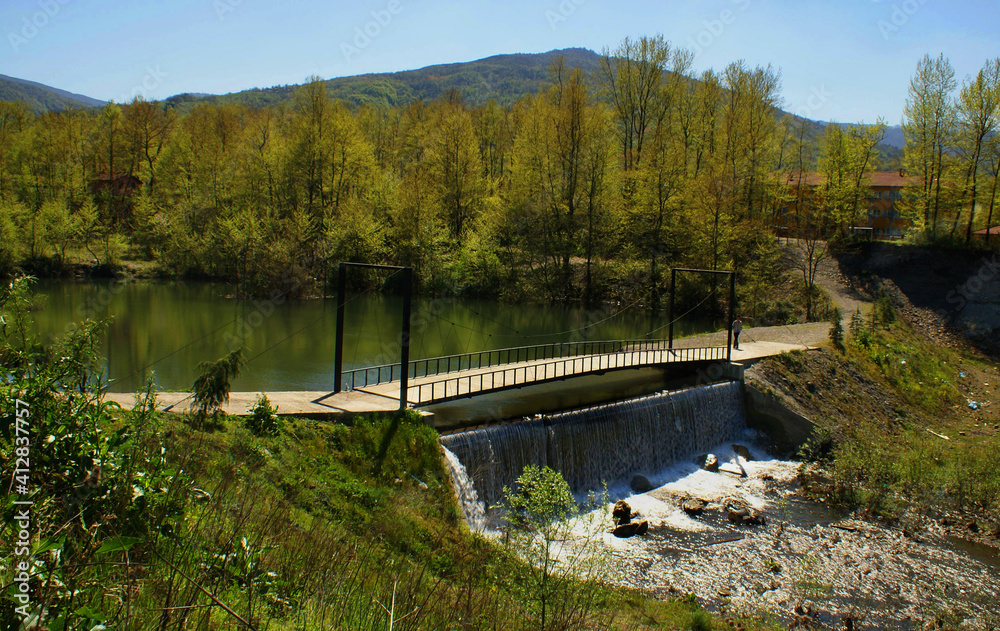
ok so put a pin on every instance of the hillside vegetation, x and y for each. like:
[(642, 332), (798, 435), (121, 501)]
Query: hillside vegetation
[(42, 98), (145, 521)]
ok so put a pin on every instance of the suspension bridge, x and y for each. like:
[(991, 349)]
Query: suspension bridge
[(436, 380)]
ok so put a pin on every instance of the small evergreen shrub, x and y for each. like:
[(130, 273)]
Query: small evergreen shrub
[(263, 419)]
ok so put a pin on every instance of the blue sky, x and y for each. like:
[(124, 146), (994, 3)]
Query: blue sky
[(846, 61)]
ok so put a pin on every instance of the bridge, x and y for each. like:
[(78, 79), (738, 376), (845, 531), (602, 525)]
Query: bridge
[(439, 380)]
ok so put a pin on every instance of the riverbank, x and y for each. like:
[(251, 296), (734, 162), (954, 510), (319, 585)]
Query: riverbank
[(810, 564)]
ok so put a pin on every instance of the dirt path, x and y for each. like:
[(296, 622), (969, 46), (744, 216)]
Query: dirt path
[(811, 334)]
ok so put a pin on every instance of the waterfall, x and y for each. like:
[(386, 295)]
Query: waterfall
[(602, 444), (473, 510)]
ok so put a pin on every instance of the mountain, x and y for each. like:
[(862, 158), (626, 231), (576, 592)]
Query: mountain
[(42, 98), (505, 78)]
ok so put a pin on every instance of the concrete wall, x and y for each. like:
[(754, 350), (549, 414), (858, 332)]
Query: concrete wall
[(787, 430)]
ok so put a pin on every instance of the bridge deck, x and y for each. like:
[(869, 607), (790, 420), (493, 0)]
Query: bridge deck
[(385, 397)]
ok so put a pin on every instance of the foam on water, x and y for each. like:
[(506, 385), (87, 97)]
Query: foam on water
[(602, 445)]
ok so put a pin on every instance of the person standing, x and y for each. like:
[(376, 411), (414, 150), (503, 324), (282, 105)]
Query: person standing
[(737, 329)]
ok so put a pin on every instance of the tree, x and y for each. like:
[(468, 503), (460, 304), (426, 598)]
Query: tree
[(147, 126), (978, 110), (14, 117), (847, 159), (633, 75), (455, 166), (539, 508), (928, 125)]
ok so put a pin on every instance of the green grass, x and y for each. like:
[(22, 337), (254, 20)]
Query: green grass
[(887, 467)]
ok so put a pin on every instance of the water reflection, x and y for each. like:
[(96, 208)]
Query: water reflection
[(171, 327)]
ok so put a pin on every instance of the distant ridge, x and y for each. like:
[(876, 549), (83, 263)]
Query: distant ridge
[(42, 98), (505, 78)]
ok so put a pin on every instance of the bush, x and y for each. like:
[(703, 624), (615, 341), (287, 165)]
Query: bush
[(263, 419), (211, 388), (836, 330)]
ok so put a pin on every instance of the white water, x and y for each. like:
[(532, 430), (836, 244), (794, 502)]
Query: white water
[(601, 445), (473, 509)]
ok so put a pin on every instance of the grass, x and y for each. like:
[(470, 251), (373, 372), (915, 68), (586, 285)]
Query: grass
[(885, 404), (296, 531)]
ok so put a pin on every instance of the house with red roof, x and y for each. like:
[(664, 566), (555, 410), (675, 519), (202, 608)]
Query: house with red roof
[(883, 221)]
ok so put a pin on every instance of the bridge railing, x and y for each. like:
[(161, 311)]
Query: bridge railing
[(374, 375), (461, 386)]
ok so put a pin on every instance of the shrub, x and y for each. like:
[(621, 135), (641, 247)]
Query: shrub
[(836, 330), (211, 388), (263, 419)]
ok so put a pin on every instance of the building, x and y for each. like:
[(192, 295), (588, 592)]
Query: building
[(883, 220), (120, 184), (988, 234), (883, 215)]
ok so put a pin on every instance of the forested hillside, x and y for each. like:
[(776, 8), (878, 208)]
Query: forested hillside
[(588, 191), (501, 78), (42, 98)]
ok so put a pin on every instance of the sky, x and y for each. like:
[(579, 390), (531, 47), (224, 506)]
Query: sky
[(846, 61)]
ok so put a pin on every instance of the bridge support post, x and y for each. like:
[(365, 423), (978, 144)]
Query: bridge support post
[(338, 354), (732, 315), (673, 294), (404, 361)]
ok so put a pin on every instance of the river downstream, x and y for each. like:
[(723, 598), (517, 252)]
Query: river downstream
[(808, 563)]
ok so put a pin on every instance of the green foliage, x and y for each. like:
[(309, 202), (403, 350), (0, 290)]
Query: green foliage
[(211, 387), (107, 489), (540, 500), (836, 330), (701, 620), (263, 419), (558, 584), (885, 311)]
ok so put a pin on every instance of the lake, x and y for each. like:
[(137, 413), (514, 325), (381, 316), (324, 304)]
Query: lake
[(169, 328)]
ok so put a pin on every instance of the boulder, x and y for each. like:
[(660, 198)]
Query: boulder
[(694, 506), (630, 529), (640, 484), (622, 513), (710, 463)]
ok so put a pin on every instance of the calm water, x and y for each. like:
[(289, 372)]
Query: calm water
[(170, 327)]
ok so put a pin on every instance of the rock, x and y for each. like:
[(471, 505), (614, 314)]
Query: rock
[(725, 592), (710, 463), (640, 483), (694, 507), (622, 513), (742, 452), (630, 529), (746, 516)]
